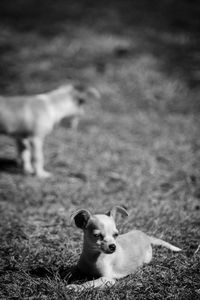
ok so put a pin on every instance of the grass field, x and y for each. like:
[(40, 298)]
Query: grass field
[(137, 146)]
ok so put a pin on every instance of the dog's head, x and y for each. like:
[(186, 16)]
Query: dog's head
[(100, 232), (80, 93), (72, 97)]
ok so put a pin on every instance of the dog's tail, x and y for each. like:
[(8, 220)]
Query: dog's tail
[(160, 242)]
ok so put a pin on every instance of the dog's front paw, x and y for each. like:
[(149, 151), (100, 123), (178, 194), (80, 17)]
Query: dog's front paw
[(28, 171), (106, 283), (74, 287), (43, 174)]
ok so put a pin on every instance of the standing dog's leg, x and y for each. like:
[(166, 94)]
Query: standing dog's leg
[(37, 156), (74, 123), (24, 153)]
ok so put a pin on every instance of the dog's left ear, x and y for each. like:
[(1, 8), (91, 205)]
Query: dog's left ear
[(81, 93), (93, 92), (117, 209), (81, 218)]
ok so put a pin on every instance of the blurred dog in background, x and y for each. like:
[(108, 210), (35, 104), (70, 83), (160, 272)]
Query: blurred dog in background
[(29, 119)]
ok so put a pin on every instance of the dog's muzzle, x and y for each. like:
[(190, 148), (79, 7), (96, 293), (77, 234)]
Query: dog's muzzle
[(109, 249)]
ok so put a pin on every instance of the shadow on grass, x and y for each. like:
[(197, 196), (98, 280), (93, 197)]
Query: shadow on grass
[(9, 165), (70, 274)]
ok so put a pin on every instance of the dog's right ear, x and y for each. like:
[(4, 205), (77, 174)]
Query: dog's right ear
[(117, 210), (81, 218)]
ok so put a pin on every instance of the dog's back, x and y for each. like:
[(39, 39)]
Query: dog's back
[(18, 115)]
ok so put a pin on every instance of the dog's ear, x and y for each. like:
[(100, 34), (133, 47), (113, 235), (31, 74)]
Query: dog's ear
[(117, 210), (93, 92), (81, 93), (81, 218)]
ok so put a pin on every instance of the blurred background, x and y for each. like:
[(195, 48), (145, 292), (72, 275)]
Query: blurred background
[(149, 50)]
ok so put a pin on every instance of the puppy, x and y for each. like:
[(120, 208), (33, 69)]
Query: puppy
[(106, 255), (30, 118)]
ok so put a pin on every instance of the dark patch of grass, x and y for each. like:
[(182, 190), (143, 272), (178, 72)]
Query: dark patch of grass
[(138, 145)]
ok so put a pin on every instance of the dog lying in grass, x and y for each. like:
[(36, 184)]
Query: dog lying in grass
[(106, 255), (29, 119)]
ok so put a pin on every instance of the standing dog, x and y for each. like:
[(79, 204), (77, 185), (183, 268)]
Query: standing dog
[(106, 255), (30, 118)]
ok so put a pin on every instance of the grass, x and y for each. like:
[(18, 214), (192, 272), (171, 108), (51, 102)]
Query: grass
[(137, 146)]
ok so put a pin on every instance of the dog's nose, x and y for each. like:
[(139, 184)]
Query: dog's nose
[(112, 247), (81, 101)]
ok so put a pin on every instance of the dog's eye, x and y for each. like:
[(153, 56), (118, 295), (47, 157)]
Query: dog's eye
[(80, 101), (98, 236), (115, 235)]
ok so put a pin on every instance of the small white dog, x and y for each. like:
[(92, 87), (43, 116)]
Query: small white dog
[(30, 118), (106, 255)]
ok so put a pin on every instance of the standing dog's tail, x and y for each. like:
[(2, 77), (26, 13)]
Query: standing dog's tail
[(160, 242)]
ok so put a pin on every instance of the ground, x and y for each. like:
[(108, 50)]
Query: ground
[(137, 146)]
